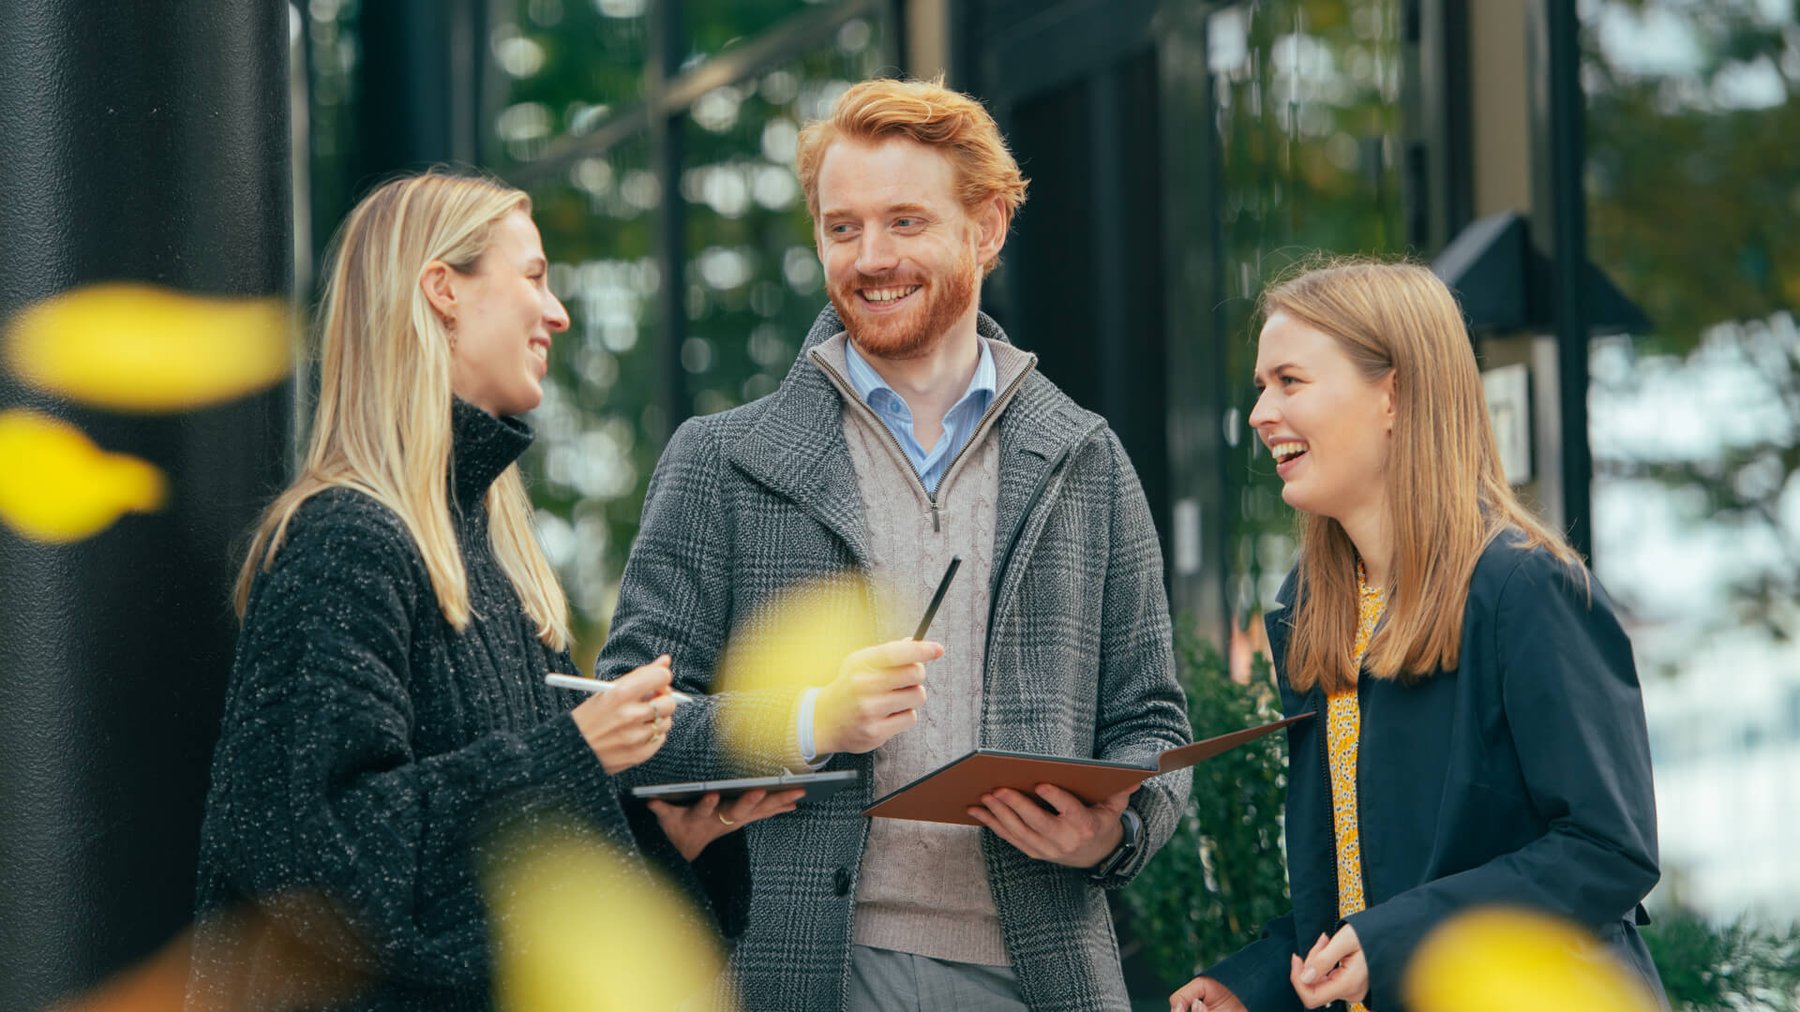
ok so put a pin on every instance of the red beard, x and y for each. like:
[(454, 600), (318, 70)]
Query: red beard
[(917, 330)]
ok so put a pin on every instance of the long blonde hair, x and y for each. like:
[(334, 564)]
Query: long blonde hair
[(382, 424), (1448, 497)]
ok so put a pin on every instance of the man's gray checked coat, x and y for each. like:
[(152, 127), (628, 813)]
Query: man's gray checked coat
[(749, 503)]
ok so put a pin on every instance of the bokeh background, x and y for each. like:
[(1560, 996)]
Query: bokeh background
[(1611, 185)]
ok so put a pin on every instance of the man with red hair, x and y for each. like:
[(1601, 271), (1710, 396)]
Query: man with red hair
[(910, 430)]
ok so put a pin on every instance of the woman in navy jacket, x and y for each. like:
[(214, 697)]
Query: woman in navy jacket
[(1479, 733)]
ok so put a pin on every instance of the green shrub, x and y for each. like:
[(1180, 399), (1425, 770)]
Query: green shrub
[(1734, 967), (1222, 875)]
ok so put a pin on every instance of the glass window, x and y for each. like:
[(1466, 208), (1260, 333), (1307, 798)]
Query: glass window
[(1695, 426), (331, 126), (754, 283), (565, 66), (592, 459), (714, 26), (751, 281), (1309, 124)]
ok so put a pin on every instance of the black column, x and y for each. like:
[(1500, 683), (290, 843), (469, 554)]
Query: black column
[(668, 132), (1205, 471), (1559, 228), (420, 96), (145, 141)]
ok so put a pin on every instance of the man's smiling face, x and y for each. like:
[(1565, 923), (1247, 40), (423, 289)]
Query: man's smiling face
[(903, 258)]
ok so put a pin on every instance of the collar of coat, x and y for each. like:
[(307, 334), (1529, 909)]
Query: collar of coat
[(796, 446)]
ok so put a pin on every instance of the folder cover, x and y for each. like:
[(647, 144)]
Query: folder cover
[(946, 793)]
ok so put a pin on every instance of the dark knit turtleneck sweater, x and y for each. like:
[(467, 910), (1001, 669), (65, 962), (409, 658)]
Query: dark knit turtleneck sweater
[(375, 759)]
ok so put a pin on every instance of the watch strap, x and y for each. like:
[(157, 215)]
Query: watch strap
[(1133, 827)]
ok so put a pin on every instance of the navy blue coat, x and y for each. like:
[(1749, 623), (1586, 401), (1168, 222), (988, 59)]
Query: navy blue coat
[(1522, 777)]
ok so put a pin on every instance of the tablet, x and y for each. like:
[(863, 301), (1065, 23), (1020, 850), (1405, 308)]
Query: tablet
[(817, 786)]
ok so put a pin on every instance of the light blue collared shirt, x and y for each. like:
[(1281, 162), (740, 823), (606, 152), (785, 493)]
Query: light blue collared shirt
[(930, 465), (891, 408)]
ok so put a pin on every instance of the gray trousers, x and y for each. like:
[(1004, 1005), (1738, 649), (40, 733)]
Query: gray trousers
[(883, 980)]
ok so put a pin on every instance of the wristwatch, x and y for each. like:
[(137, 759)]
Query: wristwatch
[(1128, 845)]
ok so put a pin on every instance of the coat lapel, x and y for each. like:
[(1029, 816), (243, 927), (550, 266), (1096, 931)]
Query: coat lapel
[(797, 448), (1039, 430)]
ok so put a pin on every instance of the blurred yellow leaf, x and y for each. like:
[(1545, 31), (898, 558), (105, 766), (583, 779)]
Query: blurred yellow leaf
[(582, 927), (1502, 960), (135, 347), (794, 641), (57, 486)]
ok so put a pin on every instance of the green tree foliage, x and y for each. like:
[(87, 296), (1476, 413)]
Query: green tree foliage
[(1735, 967), (748, 283), (1693, 188), (1221, 876), (1692, 165)]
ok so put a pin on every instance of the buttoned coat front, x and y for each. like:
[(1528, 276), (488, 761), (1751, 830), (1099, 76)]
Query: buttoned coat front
[(750, 503)]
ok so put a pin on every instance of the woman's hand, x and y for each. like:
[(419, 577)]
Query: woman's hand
[(1204, 994), (628, 723), (1335, 970), (691, 827)]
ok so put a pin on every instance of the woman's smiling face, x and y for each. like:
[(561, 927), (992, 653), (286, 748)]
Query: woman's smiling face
[(1327, 425), (505, 315)]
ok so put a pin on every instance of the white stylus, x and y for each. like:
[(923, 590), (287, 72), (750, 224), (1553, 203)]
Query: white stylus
[(597, 685)]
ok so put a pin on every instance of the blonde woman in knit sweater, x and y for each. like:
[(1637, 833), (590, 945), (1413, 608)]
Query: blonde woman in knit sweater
[(387, 707)]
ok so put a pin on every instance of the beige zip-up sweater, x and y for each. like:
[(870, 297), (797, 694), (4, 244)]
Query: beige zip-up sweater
[(923, 887), (748, 504)]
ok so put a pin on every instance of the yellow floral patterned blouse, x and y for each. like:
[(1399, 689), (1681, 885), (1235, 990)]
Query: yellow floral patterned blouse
[(1343, 732)]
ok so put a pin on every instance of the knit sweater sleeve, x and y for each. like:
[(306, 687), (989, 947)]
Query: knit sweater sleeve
[(318, 791)]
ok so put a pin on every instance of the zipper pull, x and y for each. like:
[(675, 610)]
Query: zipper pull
[(934, 517)]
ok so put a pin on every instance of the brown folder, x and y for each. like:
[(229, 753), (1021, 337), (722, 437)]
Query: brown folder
[(946, 793)]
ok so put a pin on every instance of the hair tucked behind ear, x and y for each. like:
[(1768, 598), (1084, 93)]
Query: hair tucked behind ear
[(1447, 494), (382, 423)]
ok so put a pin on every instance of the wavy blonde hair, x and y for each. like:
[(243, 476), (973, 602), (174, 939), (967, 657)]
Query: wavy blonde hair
[(382, 424), (1448, 497), (930, 114)]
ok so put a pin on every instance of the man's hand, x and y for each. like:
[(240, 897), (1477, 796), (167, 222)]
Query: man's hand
[(875, 696), (1071, 832), (690, 828), (1335, 970), (1204, 994)]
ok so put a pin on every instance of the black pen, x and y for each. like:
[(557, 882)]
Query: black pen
[(938, 598)]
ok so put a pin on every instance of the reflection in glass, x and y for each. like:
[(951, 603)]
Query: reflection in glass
[(752, 280), (754, 283), (1695, 427), (591, 460), (1309, 127), (713, 26), (332, 51), (566, 66)]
